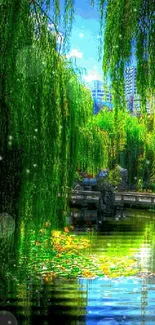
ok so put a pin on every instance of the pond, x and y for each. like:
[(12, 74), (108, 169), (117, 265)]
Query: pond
[(98, 300)]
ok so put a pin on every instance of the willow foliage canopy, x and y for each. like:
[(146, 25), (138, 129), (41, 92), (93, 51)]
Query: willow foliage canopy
[(44, 114), (128, 31), (130, 34), (47, 127)]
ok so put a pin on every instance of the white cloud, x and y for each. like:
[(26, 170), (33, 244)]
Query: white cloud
[(81, 35), (59, 35), (75, 53), (51, 26), (93, 75), (60, 38)]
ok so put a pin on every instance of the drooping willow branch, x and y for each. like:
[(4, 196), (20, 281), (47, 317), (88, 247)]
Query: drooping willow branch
[(37, 16), (35, 3)]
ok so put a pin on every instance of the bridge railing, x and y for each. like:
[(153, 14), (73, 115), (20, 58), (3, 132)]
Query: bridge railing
[(131, 198), (134, 198), (91, 196)]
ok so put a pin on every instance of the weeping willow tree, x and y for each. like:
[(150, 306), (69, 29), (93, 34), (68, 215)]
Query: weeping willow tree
[(128, 28), (46, 119), (44, 116), (105, 121), (150, 150), (136, 147), (129, 32)]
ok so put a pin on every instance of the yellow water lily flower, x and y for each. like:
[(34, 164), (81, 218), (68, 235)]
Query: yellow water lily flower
[(56, 233)]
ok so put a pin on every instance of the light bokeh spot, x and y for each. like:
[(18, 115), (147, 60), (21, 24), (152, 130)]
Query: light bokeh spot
[(7, 225), (30, 61), (7, 318)]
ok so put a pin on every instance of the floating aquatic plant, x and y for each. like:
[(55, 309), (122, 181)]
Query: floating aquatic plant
[(67, 255)]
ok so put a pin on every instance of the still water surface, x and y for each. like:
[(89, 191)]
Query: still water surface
[(121, 300)]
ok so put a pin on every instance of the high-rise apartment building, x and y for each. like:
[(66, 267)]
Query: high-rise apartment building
[(132, 97), (101, 94)]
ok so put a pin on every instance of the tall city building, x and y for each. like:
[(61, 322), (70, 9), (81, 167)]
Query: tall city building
[(101, 95), (132, 97)]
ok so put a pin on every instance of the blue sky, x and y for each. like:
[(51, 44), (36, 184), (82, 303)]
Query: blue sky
[(84, 39)]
